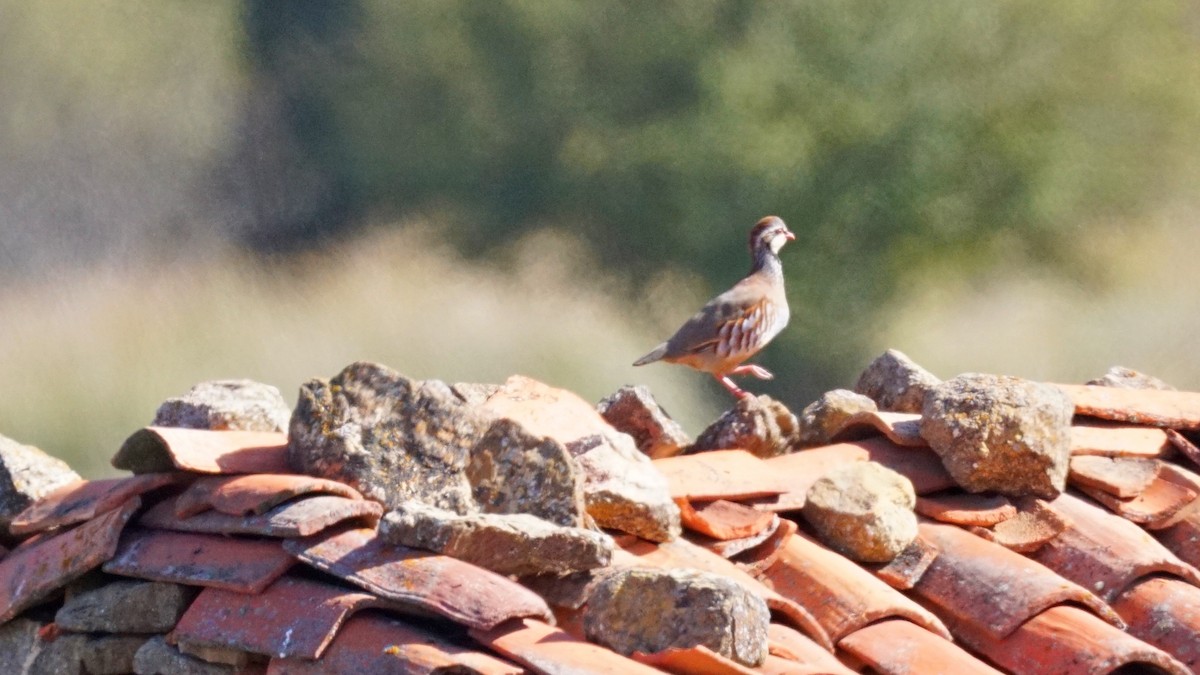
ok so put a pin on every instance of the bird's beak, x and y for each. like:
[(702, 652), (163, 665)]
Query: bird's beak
[(790, 235)]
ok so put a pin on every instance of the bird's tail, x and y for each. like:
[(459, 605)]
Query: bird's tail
[(657, 353)]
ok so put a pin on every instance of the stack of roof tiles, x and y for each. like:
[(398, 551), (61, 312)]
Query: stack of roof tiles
[(218, 558)]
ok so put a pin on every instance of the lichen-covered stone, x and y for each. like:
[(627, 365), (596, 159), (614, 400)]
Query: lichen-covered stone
[(634, 411), (758, 424), (863, 510), (243, 405), (26, 475), (473, 393), (82, 654), (513, 471), (156, 657), (822, 419), (508, 544), (649, 610), (896, 383), (390, 437), (622, 488), (125, 607), (19, 644), (1128, 378), (1001, 433)]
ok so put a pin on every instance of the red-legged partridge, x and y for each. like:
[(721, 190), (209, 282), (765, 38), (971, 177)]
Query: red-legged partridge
[(738, 323)]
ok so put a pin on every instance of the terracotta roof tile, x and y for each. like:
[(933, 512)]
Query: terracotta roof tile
[(253, 494), (1166, 613), (899, 646), (1112, 440), (728, 548), (299, 518), (959, 508), (906, 569), (757, 560), (1183, 538), (458, 590), (1068, 640), (546, 649), (373, 643), (698, 660), (842, 596), (991, 589), (1162, 503), (1184, 446), (921, 466), (900, 428), (85, 499), (1027, 531), (37, 568), (167, 448), (1151, 407), (723, 519), (1122, 477), (720, 474), (799, 470), (243, 565)]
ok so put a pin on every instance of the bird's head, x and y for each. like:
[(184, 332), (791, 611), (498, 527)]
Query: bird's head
[(770, 233)]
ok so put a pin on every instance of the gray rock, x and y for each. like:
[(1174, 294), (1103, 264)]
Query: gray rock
[(649, 610), (508, 544), (896, 383), (1001, 433), (473, 393), (758, 424), (243, 405), (26, 475), (512, 471), (126, 607), (622, 489), (390, 437), (156, 657), (569, 591), (633, 410), (1128, 378), (81, 654), (864, 510), (820, 420), (19, 644)]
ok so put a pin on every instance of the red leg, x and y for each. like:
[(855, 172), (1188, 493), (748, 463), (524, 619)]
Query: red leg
[(733, 388), (750, 369)]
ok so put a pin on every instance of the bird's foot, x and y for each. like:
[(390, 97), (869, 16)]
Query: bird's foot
[(750, 369), (733, 388)]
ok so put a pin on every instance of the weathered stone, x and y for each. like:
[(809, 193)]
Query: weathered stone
[(1000, 433), (156, 657), (896, 383), (26, 475), (508, 544), (1128, 378), (512, 471), (822, 419), (758, 424), (649, 610), (473, 393), (19, 644), (863, 510), (633, 410), (81, 654), (569, 591), (623, 489), (243, 405), (125, 607), (390, 437)]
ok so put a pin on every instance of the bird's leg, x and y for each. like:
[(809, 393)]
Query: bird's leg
[(733, 388), (750, 369)]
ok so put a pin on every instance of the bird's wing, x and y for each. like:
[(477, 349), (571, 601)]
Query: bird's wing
[(730, 322)]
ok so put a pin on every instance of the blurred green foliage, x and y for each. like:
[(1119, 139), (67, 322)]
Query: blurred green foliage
[(893, 137)]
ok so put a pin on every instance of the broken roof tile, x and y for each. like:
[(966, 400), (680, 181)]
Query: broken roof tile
[(1106, 553), (458, 590), (722, 519), (242, 495), (243, 565), (1122, 477), (1166, 613), (1162, 503), (808, 657), (298, 518), (728, 548), (1183, 538), (37, 568), (899, 646), (720, 474), (983, 585), (1029, 530), (1067, 639), (906, 569), (757, 560), (961, 508), (374, 643), (1105, 439), (842, 596), (85, 499), (1152, 407), (1185, 446), (546, 649), (900, 428), (154, 449)]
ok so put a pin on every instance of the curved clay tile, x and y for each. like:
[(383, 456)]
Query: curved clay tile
[(243, 565), (1166, 613), (297, 518), (1110, 440), (720, 474), (990, 589), (546, 649), (899, 428), (723, 520), (254, 493), (758, 560), (203, 451), (1104, 552), (83, 500), (1152, 407), (921, 466), (1067, 640), (962, 508), (1122, 477), (1183, 538), (701, 660), (842, 596), (1184, 446), (790, 644), (1028, 531), (899, 646), (797, 471), (1162, 503)]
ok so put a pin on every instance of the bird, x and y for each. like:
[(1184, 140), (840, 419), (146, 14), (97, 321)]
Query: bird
[(738, 323)]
